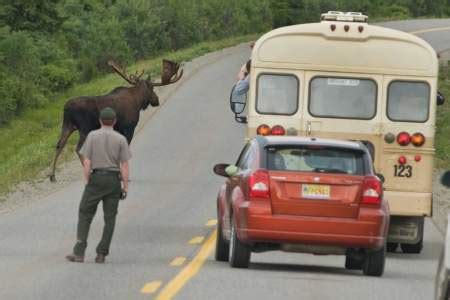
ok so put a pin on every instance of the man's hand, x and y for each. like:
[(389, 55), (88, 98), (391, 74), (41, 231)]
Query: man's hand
[(86, 170), (124, 171)]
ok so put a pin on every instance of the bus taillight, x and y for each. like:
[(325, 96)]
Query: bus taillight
[(402, 160), (403, 138), (418, 139), (263, 129), (278, 130)]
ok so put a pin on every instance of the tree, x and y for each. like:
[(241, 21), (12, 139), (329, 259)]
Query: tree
[(32, 15)]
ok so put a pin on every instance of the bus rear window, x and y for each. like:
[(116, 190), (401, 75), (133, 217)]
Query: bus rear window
[(277, 94), (323, 160), (408, 101), (347, 98)]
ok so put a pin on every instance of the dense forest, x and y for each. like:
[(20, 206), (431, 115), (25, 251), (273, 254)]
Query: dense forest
[(46, 46)]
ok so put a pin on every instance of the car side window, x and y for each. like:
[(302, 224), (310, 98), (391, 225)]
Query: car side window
[(242, 156), (247, 158)]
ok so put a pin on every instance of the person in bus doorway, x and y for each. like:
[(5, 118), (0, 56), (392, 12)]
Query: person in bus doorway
[(106, 155), (243, 84)]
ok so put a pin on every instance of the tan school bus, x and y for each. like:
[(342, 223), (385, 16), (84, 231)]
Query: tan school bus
[(343, 78)]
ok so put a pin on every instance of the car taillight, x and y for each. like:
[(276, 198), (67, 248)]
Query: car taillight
[(263, 130), (372, 191), (278, 130), (403, 138), (258, 183), (417, 139)]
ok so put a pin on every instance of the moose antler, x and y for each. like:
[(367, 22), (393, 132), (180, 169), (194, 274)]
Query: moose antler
[(169, 73), (131, 79)]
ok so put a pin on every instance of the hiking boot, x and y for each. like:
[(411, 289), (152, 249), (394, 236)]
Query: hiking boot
[(75, 258)]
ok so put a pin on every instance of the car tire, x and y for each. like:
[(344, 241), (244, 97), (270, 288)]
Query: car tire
[(239, 253), (392, 247), (352, 263), (412, 248), (374, 262), (222, 247)]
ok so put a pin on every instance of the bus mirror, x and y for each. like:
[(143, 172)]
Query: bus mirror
[(381, 177), (440, 98), (237, 101), (445, 179)]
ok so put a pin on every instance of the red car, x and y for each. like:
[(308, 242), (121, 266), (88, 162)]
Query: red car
[(307, 195)]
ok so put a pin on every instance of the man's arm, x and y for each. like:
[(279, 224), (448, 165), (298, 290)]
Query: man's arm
[(124, 172), (242, 86), (86, 170)]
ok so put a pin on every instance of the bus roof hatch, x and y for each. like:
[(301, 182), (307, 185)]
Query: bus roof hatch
[(344, 16)]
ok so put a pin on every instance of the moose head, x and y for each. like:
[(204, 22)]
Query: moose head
[(170, 73)]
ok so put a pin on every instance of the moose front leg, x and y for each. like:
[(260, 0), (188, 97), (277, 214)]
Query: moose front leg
[(79, 145)]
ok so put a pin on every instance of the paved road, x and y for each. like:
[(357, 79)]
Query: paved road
[(171, 201)]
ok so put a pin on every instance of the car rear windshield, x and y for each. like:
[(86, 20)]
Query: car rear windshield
[(316, 159), (347, 98)]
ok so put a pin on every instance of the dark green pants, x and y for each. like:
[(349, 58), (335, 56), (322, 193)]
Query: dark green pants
[(101, 187)]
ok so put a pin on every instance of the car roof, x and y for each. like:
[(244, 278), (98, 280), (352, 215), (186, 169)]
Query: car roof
[(308, 141)]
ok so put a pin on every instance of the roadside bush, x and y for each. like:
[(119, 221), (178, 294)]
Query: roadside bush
[(60, 76)]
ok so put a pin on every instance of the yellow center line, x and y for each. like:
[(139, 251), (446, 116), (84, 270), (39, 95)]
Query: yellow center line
[(188, 272), (430, 30), (151, 287), (196, 240), (212, 222), (178, 261)]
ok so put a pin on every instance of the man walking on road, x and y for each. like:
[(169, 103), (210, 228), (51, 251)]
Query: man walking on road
[(106, 154)]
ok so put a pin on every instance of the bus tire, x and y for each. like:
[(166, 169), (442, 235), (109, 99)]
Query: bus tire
[(413, 248), (391, 247), (352, 263)]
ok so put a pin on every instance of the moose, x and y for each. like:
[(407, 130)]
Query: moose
[(82, 113)]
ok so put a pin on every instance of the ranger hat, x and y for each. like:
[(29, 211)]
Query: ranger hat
[(107, 114)]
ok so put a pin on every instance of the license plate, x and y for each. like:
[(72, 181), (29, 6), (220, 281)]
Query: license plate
[(315, 191)]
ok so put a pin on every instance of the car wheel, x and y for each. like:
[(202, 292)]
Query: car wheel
[(412, 248), (374, 262), (239, 253), (391, 247), (352, 263), (222, 247)]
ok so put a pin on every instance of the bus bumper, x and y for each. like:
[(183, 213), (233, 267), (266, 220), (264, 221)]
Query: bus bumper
[(409, 203)]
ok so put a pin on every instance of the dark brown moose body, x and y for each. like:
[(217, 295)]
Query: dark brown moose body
[(82, 113)]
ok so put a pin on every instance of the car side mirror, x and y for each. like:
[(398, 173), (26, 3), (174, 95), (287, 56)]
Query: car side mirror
[(440, 98), (219, 169), (445, 179)]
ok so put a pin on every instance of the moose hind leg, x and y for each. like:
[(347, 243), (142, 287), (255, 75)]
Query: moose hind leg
[(129, 133), (65, 134)]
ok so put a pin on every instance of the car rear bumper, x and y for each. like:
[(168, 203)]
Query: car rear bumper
[(257, 224)]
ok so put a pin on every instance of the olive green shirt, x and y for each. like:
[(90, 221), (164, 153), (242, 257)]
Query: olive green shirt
[(106, 149)]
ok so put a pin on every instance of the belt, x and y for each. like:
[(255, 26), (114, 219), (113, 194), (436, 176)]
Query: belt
[(105, 171)]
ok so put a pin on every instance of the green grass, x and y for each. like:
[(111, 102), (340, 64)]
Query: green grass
[(29, 141), (443, 122)]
